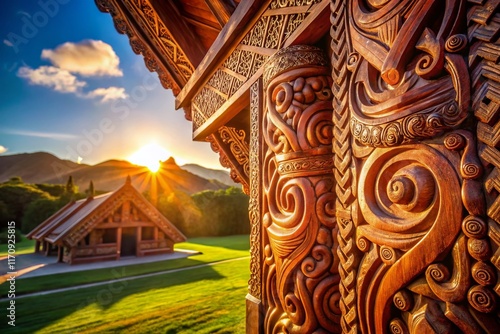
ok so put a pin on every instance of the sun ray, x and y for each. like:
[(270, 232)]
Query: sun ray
[(150, 156)]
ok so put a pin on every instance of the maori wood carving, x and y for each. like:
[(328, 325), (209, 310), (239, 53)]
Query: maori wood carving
[(415, 227), (149, 36), (300, 262), (233, 148), (268, 34)]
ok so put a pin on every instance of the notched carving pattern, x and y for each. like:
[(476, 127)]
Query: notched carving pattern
[(267, 35)]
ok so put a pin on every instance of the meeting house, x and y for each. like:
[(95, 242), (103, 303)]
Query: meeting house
[(106, 227)]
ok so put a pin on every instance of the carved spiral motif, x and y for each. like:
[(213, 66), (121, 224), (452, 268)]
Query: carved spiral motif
[(401, 190), (454, 142), (474, 227), (401, 195), (438, 272), (471, 170), (484, 274), (388, 255), (479, 249), (326, 208), (352, 60), (482, 299), (326, 304), (363, 244), (300, 106), (391, 135), (411, 187), (456, 43), (294, 309), (424, 65), (403, 300), (397, 326), (318, 263)]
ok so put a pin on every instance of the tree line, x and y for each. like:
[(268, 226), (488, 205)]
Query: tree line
[(208, 213)]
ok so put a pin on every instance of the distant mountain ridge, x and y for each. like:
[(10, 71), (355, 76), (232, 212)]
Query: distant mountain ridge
[(211, 174), (42, 167)]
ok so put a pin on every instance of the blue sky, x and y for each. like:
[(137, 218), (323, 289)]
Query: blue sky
[(72, 86)]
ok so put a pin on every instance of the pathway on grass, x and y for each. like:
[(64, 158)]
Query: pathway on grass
[(90, 285)]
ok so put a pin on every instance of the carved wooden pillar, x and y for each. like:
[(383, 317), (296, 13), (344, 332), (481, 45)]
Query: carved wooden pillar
[(254, 312), (300, 275), (415, 245)]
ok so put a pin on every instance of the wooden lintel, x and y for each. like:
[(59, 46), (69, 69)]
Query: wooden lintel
[(221, 10), (187, 40), (242, 20)]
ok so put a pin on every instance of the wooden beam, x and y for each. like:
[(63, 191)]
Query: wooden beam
[(201, 25), (221, 10), (138, 238), (241, 21), (60, 253), (118, 242), (185, 38)]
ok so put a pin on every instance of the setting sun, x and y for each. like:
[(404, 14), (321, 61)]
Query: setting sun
[(150, 156)]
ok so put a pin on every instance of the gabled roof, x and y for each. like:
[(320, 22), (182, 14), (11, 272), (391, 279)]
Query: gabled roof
[(73, 222)]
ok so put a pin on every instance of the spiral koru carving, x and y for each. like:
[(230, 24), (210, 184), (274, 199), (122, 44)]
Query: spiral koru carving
[(407, 198), (299, 213)]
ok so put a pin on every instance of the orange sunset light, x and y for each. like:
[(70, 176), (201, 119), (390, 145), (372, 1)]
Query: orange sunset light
[(150, 156)]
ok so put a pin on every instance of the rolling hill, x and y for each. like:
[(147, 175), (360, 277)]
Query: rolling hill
[(41, 167)]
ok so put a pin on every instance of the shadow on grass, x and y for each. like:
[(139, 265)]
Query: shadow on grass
[(70, 279), (235, 242), (38, 312)]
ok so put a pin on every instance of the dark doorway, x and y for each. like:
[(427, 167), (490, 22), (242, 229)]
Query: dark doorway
[(129, 242)]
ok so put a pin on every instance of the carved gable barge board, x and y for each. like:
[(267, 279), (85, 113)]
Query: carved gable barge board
[(187, 40), (305, 32), (128, 19)]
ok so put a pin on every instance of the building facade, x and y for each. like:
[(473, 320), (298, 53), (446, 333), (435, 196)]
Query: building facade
[(106, 227), (366, 133)]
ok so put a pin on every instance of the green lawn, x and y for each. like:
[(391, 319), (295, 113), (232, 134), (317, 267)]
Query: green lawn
[(24, 246), (203, 300), (212, 249), (198, 300)]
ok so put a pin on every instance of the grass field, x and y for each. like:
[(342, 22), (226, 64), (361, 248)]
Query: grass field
[(212, 250), (23, 246), (209, 299)]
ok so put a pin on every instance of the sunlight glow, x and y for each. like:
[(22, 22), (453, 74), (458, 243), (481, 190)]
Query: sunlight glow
[(150, 156)]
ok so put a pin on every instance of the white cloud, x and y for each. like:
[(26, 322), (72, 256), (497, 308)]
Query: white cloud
[(8, 43), (108, 94), (51, 135), (53, 77), (3, 149), (88, 58)]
